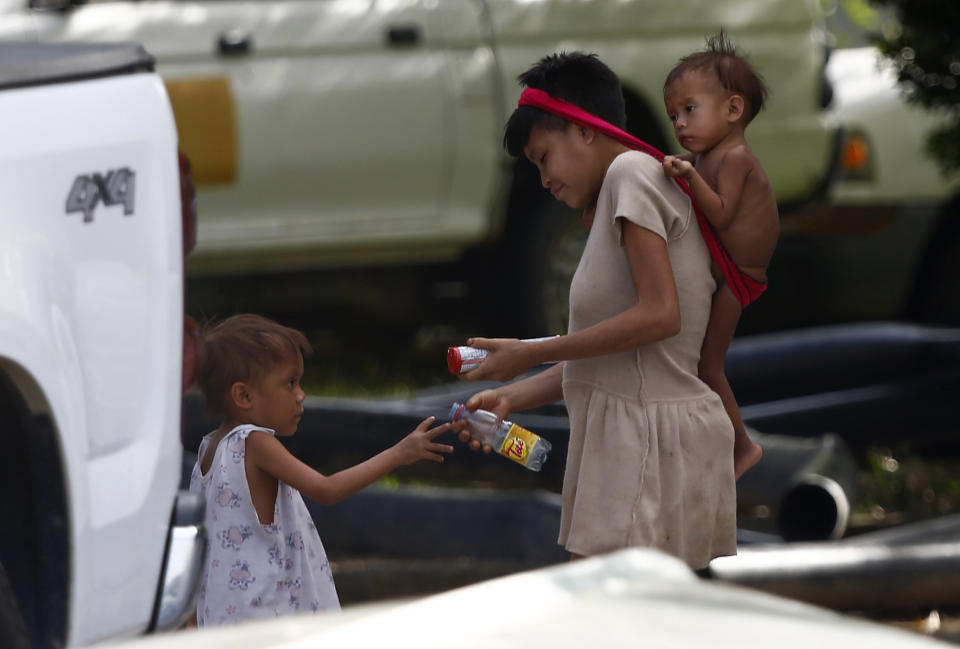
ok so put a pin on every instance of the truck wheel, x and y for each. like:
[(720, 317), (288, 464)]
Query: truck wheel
[(546, 266), (935, 295), (556, 254), (34, 544), (940, 303), (13, 631)]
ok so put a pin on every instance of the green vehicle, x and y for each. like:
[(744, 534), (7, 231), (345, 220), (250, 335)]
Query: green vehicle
[(351, 148)]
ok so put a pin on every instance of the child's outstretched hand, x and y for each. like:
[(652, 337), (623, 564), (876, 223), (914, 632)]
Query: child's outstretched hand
[(674, 166), (419, 444)]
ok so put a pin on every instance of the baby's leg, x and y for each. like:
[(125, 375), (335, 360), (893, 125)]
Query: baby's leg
[(724, 315)]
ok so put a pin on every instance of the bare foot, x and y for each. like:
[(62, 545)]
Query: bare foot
[(745, 456)]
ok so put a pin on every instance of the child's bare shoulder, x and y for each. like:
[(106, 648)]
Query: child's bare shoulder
[(259, 439), (742, 157), (262, 448), (739, 161)]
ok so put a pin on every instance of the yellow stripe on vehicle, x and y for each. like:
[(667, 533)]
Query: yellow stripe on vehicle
[(206, 123)]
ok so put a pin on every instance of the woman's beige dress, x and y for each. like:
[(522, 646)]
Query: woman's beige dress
[(650, 461)]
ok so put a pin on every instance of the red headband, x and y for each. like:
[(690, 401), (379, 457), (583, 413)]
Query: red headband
[(743, 286), (575, 114)]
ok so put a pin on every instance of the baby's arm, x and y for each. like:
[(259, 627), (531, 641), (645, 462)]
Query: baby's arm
[(655, 316), (271, 457), (719, 205)]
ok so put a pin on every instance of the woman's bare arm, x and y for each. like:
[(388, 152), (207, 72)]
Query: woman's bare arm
[(655, 316)]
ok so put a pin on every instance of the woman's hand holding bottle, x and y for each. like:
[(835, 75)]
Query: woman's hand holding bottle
[(492, 400), (506, 359), (508, 439)]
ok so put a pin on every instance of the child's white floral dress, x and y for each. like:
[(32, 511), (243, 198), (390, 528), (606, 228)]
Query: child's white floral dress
[(255, 570)]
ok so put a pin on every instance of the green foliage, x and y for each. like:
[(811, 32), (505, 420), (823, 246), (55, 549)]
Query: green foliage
[(907, 485), (861, 13), (925, 47), (852, 23)]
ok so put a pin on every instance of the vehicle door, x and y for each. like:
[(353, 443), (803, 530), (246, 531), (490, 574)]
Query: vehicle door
[(306, 120)]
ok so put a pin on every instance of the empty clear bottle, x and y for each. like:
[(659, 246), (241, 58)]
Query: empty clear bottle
[(505, 437)]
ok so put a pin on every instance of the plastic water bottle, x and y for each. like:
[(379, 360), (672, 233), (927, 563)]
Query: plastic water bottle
[(464, 358), (507, 438)]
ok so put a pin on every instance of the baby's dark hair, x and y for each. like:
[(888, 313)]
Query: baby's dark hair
[(243, 347), (579, 78), (731, 69)]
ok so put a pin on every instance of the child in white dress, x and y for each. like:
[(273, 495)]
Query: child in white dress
[(265, 557)]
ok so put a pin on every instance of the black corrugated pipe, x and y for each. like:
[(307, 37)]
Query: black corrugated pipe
[(809, 483)]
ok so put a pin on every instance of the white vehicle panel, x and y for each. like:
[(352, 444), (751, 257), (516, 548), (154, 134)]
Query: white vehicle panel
[(630, 598), (99, 294)]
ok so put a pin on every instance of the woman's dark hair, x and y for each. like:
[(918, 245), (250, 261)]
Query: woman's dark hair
[(576, 77)]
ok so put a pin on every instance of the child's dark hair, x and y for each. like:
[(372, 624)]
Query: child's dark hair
[(731, 68), (243, 347), (576, 77)]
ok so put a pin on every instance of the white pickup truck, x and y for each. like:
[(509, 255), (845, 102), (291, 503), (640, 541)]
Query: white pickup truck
[(332, 138), (96, 541)]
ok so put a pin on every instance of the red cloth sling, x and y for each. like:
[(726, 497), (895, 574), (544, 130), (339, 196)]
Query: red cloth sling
[(743, 286)]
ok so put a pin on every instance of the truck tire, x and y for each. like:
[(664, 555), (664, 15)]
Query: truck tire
[(34, 548), (941, 304), (13, 631), (524, 280), (16, 536), (935, 298), (552, 256)]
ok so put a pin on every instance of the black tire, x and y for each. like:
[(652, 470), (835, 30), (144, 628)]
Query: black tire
[(520, 287), (34, 550), (551, 257), (936, 295), (13, 630)]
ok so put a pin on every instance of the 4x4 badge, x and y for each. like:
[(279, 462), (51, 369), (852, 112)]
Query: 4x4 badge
[(115, 188)]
